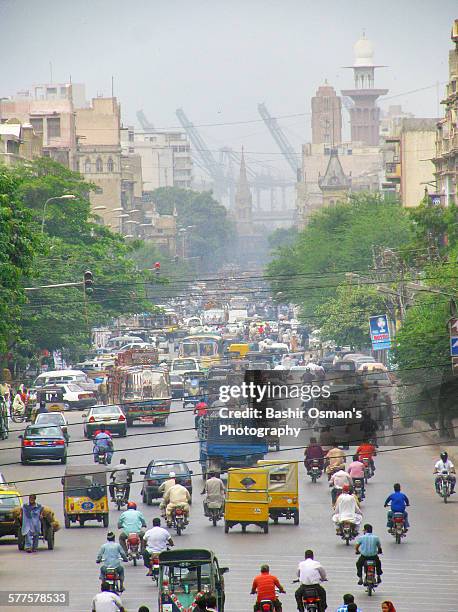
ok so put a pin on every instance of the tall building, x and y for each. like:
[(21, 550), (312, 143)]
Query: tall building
[(334, 185), (446, 156), (326, 116), (243, 205), (166, 159), (99, 156), (364, 114)]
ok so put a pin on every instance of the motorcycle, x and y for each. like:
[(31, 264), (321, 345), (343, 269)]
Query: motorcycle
[(370, 579), (155, 568), (215, 514), (368, 473), (398, 529), (101, 456), (120, 495), (315, 470), (358, 488), (443, 486), (267, 605), (310, 599), (179, 520), (347, 531), (133, 548), (113, 579)]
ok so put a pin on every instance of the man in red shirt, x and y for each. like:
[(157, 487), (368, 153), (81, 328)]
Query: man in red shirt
[(366, 450), (200, 410), (264, 585)]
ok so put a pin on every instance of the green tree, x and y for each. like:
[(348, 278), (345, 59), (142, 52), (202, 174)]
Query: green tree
[(210, 232), (282, 237), (18, 243)]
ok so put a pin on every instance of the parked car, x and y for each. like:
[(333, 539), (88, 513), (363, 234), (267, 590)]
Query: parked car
[(177, 385), (76, 397), (10, 499), (43, 442), (112, 417), (53, 418), (158, 471)]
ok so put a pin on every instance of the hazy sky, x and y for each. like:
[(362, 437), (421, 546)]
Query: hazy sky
[(218, 58)]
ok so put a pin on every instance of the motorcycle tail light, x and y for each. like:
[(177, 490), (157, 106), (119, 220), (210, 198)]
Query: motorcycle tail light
[(266, 608), (110, 576), (133, 539), (310, 600), (178, 511)]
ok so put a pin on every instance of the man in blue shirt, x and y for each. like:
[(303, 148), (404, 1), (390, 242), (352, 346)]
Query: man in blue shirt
[(347, 600), (112, 555), (131, 521), (368, 546), (398, 502)]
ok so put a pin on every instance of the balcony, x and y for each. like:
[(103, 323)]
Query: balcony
[(393, 171)]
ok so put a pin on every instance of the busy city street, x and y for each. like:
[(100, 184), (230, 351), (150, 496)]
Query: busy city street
[(422, 568)]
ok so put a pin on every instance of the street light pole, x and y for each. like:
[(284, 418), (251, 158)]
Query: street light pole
[(68, 196)]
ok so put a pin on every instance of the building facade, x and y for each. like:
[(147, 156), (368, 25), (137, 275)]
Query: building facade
[(18, 143), (326, 116), (334, 185), (446, 155)]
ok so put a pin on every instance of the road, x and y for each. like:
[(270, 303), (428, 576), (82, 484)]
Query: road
[(421, 573)]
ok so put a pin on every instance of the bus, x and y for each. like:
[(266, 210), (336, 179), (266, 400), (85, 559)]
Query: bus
[(238, 309), (207, 348)]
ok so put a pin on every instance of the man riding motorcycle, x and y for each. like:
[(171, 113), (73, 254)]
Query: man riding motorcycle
[(335, 460), (121, 475), (368, 546), (356, 471), (398, 502), (131, 521), (156, 540), (264, 584), (104, 443), (313, 451), (165, 486), (111, 555), (347, 510), (366, 450), (176, 496), (337, 482), (214, 492), (445, 465), (310, 573)]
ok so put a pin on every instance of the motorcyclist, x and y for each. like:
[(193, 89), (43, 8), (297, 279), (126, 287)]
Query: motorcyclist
[(165, 486), (104, 443), (445, 465), (367, 450), (310, 573), (131, 521), (398, 502), (111, 555), (176, 496), (368, 546), (121, 475), (156, 540), (313, 451), (18, 404), (356, 470), (214, 492), (347, 509), (264, 584), (337, 481), (335, 460)]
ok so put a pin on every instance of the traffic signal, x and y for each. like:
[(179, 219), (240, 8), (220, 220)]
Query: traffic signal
[(88, 282)]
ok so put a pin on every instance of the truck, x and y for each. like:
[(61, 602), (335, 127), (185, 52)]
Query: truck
[(140, 387), (220, 451), (237, 309)]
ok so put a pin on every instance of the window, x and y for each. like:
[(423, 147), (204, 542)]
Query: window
[(12, 146), (53, 124), (87, 165), (37, 124), (110, 165), (99, 165)]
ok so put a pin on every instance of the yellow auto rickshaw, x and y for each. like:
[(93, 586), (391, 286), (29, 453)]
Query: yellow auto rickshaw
[(247, 498), (238, 350), (85, 494), (283, 489), (52, 398)]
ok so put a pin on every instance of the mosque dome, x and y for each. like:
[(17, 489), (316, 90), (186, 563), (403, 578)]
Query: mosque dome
[(364, 52)]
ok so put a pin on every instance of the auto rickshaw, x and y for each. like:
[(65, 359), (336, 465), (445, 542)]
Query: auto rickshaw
[(85, 494), (187, 573), (195, 388), (283, 489), (247, 498), (51, 398)]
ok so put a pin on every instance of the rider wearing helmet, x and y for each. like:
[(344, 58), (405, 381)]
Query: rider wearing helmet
[(131, 521), (445, 465), (165, 486)]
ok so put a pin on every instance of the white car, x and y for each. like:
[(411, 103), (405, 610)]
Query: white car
[(78, 398)]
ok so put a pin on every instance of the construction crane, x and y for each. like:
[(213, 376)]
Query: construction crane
[(201, 151), (283, 143), (143, 121)]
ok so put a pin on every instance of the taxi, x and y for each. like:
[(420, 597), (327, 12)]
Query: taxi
[(10, 500)]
